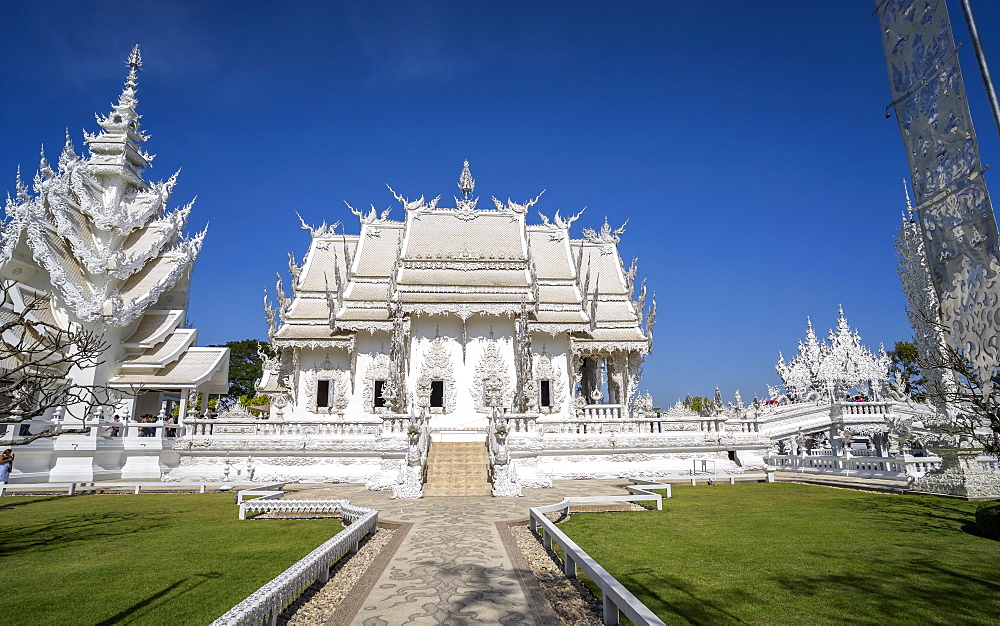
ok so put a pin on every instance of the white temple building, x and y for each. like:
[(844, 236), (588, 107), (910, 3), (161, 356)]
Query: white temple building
[(454, 342), (101, 246), (459, 324), (454, 310)]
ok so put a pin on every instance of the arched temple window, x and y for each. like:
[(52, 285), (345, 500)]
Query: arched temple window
[(378, 401)]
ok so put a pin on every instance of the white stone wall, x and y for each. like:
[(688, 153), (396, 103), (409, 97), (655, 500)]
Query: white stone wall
[(367, 347), (423, 329)]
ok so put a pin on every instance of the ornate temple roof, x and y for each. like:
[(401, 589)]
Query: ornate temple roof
[(115, 255), (103, 234), (463, 260), (204, 368)]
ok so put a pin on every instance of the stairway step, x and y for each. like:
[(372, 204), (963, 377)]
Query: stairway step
[(457, 468)]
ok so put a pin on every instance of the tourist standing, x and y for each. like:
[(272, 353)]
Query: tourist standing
[(6, 465)]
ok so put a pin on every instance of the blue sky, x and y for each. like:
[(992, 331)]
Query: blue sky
[(746, 143)]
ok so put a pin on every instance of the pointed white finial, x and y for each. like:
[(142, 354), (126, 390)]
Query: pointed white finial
[(134, 60), (466, 183)]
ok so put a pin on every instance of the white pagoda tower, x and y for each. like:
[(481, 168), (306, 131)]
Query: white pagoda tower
[(101, 243)]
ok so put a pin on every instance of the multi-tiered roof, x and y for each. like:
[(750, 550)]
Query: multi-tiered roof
[(462, 261), (115, 255)]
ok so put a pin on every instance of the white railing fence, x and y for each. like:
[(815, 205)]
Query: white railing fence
[(616, 598), (632, 425), (859, 465), (265, 605)]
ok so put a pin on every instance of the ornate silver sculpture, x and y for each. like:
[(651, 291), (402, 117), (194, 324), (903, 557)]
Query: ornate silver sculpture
[(956, 216)]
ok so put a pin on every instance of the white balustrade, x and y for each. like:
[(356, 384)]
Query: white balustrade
[(865, 408), (333, 429), (633, 425), (903, 465), (599, 412)]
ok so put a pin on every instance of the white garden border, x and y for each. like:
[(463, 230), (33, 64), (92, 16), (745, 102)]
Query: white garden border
[(266, 604), (616, 598)]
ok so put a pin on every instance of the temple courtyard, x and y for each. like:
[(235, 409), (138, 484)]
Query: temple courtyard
[(745, 553)]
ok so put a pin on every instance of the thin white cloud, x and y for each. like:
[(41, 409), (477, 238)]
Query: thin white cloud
[(425, 42)]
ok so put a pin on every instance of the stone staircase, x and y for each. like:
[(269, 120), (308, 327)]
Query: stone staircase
[(457, 468)]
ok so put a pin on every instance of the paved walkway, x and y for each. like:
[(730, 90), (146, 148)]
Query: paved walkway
[(451, 567)]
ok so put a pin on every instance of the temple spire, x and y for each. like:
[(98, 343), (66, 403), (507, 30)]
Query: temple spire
[(116, 147), (466, 183)]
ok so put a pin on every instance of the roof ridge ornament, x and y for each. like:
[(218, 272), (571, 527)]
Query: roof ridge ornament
[(516, 207), (606, 235), (466, 183), (466, 207)]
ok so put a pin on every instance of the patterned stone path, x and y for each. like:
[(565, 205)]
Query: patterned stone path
[(451, 567)]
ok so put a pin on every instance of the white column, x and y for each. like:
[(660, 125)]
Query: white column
[(182, 410)]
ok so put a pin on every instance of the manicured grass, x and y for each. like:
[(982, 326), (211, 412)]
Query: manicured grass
[(139, 559), (797, 554)]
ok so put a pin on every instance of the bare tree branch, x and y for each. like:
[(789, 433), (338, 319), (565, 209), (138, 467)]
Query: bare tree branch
[(973, 404), (37, 361)]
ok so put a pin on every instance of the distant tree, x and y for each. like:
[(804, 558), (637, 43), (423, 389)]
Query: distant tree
[(244, 367), (37, 359), (702, 405), (906, 364), (974, 402), (254, 400)]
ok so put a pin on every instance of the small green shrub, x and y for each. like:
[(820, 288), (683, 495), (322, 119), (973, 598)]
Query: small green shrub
[(988, 520)]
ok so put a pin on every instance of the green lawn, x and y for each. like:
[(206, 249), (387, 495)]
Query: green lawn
[(797, 554), (143, 559)]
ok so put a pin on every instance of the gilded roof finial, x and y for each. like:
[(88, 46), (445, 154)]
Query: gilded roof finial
[(466, 183)]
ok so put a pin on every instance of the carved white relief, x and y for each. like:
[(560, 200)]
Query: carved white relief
[(492, 379), (339, 390), (378, 370), (436, 366), (545, 370), (831, 369)]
